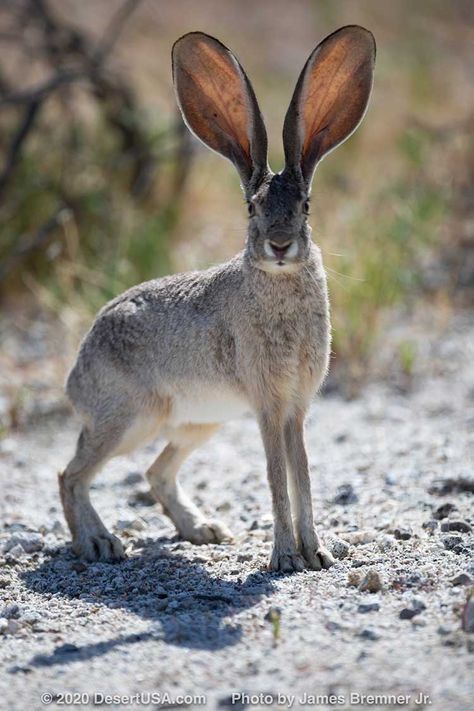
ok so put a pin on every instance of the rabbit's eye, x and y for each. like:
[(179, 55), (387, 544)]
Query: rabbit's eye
[(306, 207), (251, 209)]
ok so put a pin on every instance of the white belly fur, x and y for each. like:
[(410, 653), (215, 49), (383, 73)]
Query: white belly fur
[(206, 406)]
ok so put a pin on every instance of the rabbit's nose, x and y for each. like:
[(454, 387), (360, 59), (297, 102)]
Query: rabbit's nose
[(279, 249)]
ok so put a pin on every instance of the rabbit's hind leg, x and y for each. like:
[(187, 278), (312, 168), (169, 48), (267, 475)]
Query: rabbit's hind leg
[(90, 538), (162, 475)]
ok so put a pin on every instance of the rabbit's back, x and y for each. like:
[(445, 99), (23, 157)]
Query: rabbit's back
[(159, 335)]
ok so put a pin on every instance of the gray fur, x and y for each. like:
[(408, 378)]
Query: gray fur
[(253, 331)]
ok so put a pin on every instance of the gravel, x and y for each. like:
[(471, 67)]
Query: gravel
[(183, 619)]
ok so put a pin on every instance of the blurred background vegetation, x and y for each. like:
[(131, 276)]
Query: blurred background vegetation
[(101, 187)]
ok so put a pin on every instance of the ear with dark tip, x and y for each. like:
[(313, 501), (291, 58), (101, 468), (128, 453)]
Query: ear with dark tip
[(330, 98), (219, 105)]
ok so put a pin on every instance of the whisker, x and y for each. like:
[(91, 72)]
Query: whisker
[(346, 276)]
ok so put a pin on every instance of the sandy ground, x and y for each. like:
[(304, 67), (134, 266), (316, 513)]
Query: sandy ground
[(392, 483)]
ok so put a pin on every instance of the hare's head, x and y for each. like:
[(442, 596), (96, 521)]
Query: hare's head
[(219, 106)]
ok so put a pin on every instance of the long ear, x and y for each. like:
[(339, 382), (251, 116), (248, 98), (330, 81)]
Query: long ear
[(330, 98), (219, 105)]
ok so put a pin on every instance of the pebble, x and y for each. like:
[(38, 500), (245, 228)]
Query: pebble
[(460, 526), (338, 547), (444, 510), (364, 607), (29, 542), (468, 615), (345, 494), (385, 543), (10, 611), (450, 542), (418, 604), (132, 478), (136, 524), (369, 633), (371, 582), (461, 579), (402, 534), (407, 613), (357, 538), (3, 625), (443, 630), (430, 526), (13, 626)]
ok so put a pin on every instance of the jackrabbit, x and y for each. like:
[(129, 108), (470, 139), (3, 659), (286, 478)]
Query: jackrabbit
[(178, 356)]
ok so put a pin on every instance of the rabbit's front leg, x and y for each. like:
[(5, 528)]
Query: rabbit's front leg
[(285, 557), (315, 554)]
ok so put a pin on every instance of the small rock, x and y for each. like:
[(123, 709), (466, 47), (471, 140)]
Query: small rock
[(136, 525), (468, 615), (79, 567), (369, 633), (453, 640), (443, 630), (357, 538), (161, 604), (368, 607), (338, 547), (456, 485), (371, 582), (450, 542), (141, 498), (353, 578), (402, 534), (11, 611), (407, 613), (30, 542), (461, 579), (13, 626), (418, 622), (132, 478), (244, 557), (460, 526), (345, 495), (385, 543), (444, 510), (16, 552), (418, 604), (31, 617), (3, 625), (430, 526)]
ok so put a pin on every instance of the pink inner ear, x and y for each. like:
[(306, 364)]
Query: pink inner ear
[(216, 107), (335, 91)]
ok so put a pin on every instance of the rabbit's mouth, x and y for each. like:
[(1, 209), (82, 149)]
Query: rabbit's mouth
[(280, 256)]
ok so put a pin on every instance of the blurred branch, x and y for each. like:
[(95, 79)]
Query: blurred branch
[(114, 30), (70, 62), (40, 92), (31, 242), (61, 44), (17, 142)]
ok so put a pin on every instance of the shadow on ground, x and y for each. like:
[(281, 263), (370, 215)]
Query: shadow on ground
[(186, 604)]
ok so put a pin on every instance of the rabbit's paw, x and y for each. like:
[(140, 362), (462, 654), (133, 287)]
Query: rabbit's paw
[(208, 531), (286, 561), (99, 546)]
